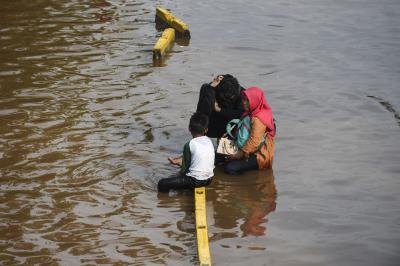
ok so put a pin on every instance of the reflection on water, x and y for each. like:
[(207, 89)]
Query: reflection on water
[(68, 77), (237, 207), (247, 200)]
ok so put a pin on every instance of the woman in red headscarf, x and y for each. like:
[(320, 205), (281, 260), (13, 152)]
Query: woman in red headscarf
[(258, 152)]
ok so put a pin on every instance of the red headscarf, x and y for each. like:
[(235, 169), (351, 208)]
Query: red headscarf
[(260, 108)]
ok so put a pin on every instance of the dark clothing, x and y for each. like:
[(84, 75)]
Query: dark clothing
[(239, 166), (205, 105), (231, 108), (181, 181)]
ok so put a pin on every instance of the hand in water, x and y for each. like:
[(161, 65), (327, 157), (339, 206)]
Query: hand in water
[(175, 161)]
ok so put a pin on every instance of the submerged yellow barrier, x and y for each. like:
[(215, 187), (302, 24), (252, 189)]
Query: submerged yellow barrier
[(164, 43), (165, 17), (203, 248)]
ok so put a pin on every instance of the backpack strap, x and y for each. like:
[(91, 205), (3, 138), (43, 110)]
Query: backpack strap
[(230, 126)]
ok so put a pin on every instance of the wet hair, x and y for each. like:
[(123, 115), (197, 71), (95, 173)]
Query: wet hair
[(198, 123), (228, 91)]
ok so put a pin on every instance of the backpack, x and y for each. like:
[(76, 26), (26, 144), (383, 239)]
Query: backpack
[(239, 130)]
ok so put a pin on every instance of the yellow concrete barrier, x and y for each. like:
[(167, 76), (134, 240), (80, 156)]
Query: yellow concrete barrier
[(164, 43), (203, 249), (163, 16)]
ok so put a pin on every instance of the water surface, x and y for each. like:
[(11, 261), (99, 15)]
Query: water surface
[(87, 122)]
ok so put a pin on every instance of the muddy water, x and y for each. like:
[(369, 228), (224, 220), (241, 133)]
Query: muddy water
[(87, 121)]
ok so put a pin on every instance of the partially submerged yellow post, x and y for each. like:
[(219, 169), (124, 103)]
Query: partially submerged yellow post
[(163, 16), (164, 43), (203, 248)]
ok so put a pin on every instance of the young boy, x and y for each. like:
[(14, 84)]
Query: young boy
[(197, 161)]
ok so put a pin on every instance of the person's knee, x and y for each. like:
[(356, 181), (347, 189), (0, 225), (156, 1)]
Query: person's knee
[(231, 169)]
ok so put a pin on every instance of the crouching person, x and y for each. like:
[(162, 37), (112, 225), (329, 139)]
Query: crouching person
[(197, 160)]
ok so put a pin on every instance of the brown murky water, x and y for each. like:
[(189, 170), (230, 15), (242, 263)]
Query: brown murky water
[(87, 121)]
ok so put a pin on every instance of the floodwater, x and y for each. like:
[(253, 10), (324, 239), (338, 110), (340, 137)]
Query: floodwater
[(87, 122)]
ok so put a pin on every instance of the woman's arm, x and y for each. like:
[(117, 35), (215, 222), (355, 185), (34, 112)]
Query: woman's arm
[(256, 136), (206, 100)]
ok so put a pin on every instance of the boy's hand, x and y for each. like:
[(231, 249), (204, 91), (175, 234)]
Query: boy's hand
[(175, 161)]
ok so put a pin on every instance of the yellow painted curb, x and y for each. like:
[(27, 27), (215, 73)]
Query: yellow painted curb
[(203, 248), (164, 43), (167, 17)]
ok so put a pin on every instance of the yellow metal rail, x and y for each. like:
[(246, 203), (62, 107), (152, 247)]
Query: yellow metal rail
[(164, 16), (203, 248), (164, 43)]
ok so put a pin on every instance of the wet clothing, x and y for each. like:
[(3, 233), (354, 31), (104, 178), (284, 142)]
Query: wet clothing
[(237, 167), (181, 181), (231, 108), (197, 167)]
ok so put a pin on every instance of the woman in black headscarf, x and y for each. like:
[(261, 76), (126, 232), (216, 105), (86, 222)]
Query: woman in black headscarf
[(220, 100)]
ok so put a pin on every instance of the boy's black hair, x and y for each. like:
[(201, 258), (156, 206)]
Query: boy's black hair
[(228, 90), (198, 123)]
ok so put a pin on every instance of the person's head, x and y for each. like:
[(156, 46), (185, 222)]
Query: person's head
[(227, 82), (228, 90), (253, 98), (198, 124)]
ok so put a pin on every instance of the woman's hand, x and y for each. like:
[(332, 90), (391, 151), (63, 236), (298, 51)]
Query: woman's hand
[(216, 107), (214, 83)]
